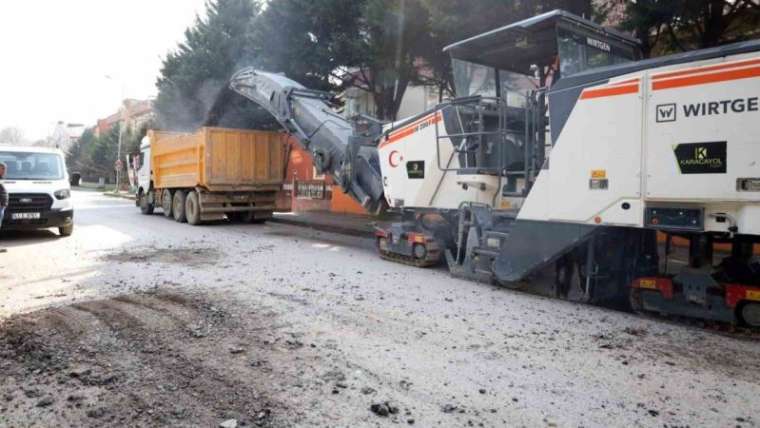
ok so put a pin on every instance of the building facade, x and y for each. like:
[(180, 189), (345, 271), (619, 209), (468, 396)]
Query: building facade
[(417, 99), (132, 113)]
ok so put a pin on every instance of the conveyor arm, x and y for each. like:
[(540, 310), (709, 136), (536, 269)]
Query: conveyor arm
[(337, 146)]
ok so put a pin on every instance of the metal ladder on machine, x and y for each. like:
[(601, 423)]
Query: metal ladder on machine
[(533, 133), (473, 259)]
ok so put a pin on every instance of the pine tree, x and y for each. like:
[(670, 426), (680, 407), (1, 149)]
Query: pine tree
[(196, 74), (666, 26)]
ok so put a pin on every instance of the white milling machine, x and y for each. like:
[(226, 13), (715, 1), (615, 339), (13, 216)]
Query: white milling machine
[(563, 150)]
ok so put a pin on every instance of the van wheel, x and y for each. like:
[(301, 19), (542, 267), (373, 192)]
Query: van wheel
[(66, 230), (178, 207), (147, 202), (166, 202), (193, 208)]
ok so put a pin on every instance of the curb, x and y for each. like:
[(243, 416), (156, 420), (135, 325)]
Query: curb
[(340, 230)]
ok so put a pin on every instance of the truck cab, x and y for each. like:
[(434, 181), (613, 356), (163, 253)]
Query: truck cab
[(143, 168), (39, 190)]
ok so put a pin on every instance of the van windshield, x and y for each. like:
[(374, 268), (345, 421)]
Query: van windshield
[(32, 166)]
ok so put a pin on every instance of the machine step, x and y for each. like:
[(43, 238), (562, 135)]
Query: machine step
[(485, 251), (496, 234)]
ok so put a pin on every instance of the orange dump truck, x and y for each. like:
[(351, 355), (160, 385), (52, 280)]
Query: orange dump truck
[(211, 174)]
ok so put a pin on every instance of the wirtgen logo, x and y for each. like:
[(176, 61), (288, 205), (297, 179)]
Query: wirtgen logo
[(667, 112), (701, 158)]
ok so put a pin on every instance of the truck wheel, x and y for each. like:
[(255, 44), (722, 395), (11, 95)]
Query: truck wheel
[(262, 217), (247, 217), (147, 202), (166, 202), (193, 208), (178, 206), (66, 230)]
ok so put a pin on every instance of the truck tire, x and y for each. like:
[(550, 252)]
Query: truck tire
[(193, 208), (247, 216), (233, 217), (178, 206), (255, 217), (166, 202), (147, 202), (262, 217)]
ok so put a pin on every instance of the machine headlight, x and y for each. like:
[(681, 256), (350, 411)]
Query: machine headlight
[(62, 194)]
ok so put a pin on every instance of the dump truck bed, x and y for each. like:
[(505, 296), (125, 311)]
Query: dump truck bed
[(218, 160)]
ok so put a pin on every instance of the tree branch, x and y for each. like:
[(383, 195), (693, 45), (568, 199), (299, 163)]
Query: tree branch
[(674, 37)]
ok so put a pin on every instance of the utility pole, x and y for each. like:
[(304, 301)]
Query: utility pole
[(122, 123)]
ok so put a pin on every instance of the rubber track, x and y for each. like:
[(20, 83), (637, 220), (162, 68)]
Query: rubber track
[(406, 260), (724, 329)]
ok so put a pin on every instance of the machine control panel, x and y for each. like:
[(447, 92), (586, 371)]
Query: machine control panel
[(675, 218)]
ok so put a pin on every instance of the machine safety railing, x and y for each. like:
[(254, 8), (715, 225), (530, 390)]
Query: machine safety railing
[(476, 141)]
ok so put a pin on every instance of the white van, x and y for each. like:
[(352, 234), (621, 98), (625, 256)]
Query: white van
[(39, 191)]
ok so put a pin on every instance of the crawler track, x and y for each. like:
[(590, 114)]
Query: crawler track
[(409, 261)]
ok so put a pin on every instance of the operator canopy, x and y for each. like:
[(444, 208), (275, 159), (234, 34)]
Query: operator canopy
[(519, 47)]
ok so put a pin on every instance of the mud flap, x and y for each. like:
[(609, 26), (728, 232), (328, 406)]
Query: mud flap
[(534, 244)]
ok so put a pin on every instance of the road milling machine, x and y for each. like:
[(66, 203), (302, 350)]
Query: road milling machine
[(563, 151)]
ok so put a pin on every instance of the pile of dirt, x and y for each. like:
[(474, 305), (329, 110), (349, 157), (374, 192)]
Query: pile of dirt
[(141, 360)]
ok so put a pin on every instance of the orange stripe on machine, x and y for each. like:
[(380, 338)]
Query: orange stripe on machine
[(705, 69), (411, 129), (621, 88), (703, 79), (625, 82)]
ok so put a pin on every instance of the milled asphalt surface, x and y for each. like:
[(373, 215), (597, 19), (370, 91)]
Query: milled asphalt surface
[(343, 330)]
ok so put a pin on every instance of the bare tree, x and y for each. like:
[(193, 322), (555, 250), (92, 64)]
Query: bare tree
[(12, 135)]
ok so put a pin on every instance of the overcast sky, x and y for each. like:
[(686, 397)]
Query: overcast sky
[(56, 54)]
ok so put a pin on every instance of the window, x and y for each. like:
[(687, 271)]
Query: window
[(515, 87), (32, 166), (432, 97), (578, 52), (473, 79)]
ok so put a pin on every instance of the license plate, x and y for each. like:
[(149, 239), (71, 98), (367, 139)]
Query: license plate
[(25, 216)]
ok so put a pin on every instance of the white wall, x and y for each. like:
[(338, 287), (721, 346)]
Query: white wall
[(416, 100)]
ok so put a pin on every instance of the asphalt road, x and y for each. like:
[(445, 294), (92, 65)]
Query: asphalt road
[(286, 326)]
